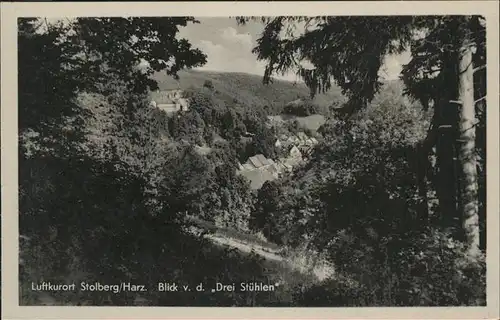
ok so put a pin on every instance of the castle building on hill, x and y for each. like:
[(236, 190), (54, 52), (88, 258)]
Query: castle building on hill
[(170, 101)]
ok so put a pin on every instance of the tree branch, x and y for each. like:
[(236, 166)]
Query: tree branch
[(480, 99), (480, 68)]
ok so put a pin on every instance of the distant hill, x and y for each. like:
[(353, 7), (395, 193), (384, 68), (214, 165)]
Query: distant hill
[(311, 123), (246, 88)]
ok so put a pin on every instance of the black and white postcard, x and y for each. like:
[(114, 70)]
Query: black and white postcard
[(250, 160)]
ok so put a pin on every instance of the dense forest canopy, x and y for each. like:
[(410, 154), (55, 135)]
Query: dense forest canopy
[(392, 193)]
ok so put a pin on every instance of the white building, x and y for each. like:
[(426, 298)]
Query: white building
[(170, 101)]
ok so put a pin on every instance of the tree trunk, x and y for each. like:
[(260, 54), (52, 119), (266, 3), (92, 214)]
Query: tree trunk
[(468, 192), (422, 164), (480, 89), (446, 182), (446, 179)]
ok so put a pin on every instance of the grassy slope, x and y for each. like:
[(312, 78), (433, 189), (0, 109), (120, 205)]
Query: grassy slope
[(246, 88)]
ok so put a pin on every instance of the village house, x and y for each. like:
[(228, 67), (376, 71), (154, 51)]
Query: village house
[(300, 139), (282, 166), (174, 94), (308, 146), (258, 161), (295, 153), (294, 156), (258, 169), (301, 136)]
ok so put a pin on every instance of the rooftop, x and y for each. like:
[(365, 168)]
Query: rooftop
[(258, 177), (259, 160)]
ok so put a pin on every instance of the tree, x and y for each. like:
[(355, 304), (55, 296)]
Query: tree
[(468, 204), (350, 51), (301, 108), (442, 73), (361, 174), (208, 84), (267, 207), (65, 206), (330, 48), (45, 115), (123, 43), (86, 55)]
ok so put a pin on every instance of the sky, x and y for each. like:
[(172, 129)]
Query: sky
[(228, 47)]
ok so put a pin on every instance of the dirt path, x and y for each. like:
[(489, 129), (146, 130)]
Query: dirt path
[(302, 262), (245, 247)]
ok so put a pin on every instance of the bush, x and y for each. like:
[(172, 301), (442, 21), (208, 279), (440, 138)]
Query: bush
[(77, 231), (208, 84), (303, 108), (338, 292), (80, 216), (427, 269)]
